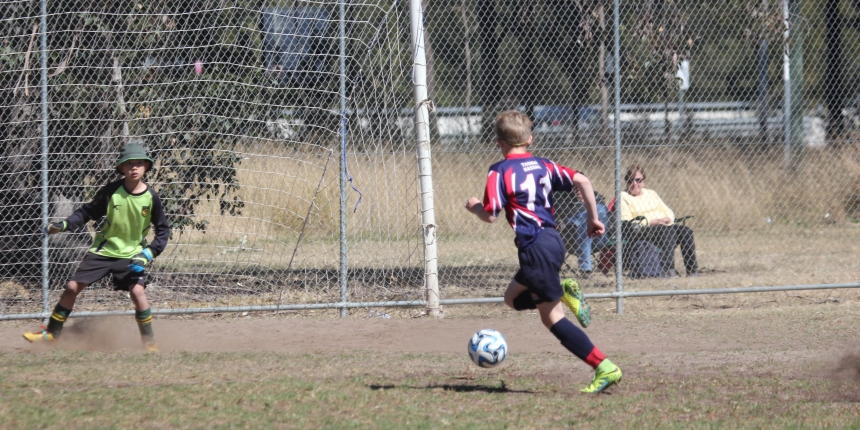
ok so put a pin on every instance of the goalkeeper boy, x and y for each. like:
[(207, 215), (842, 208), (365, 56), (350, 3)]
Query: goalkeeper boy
[(522, 185), (129, 206)]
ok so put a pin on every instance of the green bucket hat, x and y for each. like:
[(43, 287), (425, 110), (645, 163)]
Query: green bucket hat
[(132, 151)]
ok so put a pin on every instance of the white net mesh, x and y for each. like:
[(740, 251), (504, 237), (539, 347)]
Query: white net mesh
[(241, 109)]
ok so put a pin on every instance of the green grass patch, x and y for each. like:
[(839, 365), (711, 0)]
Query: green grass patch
[(368, 389)]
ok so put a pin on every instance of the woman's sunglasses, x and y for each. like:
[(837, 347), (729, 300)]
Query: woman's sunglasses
[(636, 180)]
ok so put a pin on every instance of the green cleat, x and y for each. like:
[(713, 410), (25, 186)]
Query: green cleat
[(605, 375), (573, 299)]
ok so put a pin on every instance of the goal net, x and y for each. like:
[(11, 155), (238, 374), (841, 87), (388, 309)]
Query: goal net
[(274, 130)]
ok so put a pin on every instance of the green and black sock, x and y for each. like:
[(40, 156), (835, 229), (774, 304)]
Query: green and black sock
[(144, 324), (58, 318)]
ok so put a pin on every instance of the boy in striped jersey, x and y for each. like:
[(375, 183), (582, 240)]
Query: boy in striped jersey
[(129, 206), (522, 186)]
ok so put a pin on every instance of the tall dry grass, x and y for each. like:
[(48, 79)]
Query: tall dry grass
[(736, 189), (732, 191), (288, 193), (725, 188)]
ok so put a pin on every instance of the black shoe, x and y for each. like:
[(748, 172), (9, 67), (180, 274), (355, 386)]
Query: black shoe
[(671, 273), (693, 273), (585, 275)]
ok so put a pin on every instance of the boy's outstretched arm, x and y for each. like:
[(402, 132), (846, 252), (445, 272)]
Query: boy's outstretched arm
[(595, 227), (95, 209), (475, 206)]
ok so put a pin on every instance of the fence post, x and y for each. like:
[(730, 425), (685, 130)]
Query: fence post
[(786, 82), (343, 179), (795, 10), (619, 257), (421, 116), (44, 66), (763, 84)]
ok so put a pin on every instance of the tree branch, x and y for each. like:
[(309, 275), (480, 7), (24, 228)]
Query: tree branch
[(26, 65), (62, 67), (120, 100)]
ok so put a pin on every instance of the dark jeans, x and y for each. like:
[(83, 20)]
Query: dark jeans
[(667, 237)]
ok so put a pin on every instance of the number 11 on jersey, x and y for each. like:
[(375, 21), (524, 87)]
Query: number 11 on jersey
[(529, 185)]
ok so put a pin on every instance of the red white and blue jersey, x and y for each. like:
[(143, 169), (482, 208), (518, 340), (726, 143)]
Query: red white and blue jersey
[(522, 185)]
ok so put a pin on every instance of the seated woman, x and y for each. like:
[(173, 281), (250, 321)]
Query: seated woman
[(660, 221)]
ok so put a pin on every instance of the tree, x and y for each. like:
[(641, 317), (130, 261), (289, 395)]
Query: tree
[(661, 26), (491, 80), (181, 76), (525, 35), (834, 89)]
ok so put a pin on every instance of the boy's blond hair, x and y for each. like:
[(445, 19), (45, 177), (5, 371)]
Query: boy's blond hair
[(513, 127)]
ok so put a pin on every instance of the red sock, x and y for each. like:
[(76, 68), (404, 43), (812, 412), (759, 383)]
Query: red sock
[(595, 358)]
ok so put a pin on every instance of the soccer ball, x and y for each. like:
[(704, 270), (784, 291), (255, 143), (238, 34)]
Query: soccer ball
[(488, 348)]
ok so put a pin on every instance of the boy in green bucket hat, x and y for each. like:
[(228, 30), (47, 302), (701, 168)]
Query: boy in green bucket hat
[(130, 207)]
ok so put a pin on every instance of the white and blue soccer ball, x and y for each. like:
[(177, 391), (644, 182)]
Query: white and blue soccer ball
[(488, 348)]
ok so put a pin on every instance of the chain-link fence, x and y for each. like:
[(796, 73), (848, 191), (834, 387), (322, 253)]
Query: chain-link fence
[(245, 110), (741, 114), (285, 156)]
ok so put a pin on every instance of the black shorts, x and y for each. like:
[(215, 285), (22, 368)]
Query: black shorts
[(539, 266), (95, 267)]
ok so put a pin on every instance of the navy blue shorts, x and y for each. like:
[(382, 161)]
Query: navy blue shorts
[(539, 266)]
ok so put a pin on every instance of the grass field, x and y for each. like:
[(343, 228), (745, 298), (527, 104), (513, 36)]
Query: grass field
[(793, 366)]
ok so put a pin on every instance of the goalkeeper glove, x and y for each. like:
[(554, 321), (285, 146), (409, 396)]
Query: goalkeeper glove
[(55, 227), (138, 262)]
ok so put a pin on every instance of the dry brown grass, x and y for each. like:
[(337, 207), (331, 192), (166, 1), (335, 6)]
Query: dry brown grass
[(731, 191), (280, 187), (726, 188)]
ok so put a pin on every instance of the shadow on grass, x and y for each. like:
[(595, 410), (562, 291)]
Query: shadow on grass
[(464, 388)]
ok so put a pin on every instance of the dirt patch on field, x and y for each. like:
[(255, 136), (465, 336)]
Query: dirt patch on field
[(746, 336), (850, 364)]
